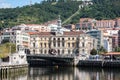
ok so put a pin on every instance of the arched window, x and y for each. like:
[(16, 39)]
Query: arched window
[(54, 39), (33, 51), (58, 51), (44, 44), (58, 39), (68, 44), (83, 44), (68, 51), (45, 51), (41, 51), (63, 51), (63, 39)]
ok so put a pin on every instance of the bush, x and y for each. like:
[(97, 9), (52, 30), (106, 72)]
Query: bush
[(93, 52)]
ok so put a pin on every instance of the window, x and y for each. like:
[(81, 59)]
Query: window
[(63, 39), (33, 38), (33, 51), (33, 44), (83, 45), (63, 51), (45, 51), (54, 39), (17, 41), (54, 44), (68, 38), (73, 38), (40, 44), (73, 44), (58, 44), (68, 51), (44, 44), (45, 38), (41, 51), (58, 39), (63, 44), (58, 51), (83, 38), (68, 44)]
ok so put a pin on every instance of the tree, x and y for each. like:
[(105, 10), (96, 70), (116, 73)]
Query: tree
[(102, 50), (6, 49), (93, 52), (117, 49)]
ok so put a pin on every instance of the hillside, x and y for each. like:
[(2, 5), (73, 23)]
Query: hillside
[(40, 13), (37, 13)]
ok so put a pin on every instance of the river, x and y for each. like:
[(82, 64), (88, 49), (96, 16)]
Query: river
[(66, 73)]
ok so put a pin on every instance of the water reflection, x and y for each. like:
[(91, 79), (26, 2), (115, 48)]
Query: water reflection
[(73, 74), (65, 73), (14, 76)]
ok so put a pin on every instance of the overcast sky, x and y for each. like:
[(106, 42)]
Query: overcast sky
[(15, 3)]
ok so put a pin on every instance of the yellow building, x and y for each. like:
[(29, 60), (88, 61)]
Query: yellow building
[(61, 43)]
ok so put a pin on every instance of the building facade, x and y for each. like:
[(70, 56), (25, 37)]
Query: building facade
[(34, 27), (17, 37), (105, 23), (117, 22), (98, 35), (66, 43), (86, 24), (108, 44)]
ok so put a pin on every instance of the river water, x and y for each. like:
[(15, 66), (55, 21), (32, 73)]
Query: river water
[(67, 73)]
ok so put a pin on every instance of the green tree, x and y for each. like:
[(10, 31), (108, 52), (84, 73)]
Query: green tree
[(117, 49), (6, 49), (102, 50), (93, 52)]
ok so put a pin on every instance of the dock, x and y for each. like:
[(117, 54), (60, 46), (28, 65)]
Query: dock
[(7, 69), (99, 63)]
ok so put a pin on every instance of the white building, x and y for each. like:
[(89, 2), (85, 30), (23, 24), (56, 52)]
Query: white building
[(18, 58), (35, 27), (18, 37), (53, 28), (108, 44), (98, 35)]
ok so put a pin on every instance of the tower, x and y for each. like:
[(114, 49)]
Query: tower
[(59, 21), (59, 28)]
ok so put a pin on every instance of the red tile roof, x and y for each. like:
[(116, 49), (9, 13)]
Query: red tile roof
[(112, 53), (53, 33), (32, 33), (73, 33)]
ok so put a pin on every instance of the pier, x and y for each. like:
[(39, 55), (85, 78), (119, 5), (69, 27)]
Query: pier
[(7, 69), (99, 63)]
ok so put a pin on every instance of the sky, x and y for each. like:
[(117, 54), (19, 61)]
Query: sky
[(16, 3)]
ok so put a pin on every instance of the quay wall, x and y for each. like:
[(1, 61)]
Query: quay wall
[(8, 70), (99, 63)]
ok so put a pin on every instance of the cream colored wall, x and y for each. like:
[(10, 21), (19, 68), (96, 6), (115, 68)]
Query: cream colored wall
[(87, 40)]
